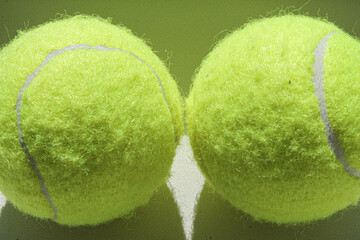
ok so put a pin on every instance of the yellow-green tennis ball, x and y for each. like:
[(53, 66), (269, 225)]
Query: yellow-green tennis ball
[(273, 118), (90, 119)]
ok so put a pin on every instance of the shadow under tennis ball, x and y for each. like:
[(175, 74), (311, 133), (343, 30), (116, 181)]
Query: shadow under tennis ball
[(216, 219), (159, 219)]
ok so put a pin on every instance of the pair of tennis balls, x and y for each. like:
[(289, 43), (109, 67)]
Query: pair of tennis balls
[(91, 118)]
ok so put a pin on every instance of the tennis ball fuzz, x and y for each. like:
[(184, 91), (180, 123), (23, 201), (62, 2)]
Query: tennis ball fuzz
[(90, 119), (273, 118)]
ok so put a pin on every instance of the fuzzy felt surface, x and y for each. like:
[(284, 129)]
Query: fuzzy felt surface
[(254, 119), (95, 122)]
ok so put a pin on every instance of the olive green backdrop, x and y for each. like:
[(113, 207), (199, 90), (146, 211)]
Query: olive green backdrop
[(181, 32)]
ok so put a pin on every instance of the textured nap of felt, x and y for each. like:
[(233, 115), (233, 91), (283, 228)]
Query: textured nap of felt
[(254, 119), (95, 122)]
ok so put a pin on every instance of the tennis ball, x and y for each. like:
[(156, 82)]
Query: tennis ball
[(273, 119), (90, 119)]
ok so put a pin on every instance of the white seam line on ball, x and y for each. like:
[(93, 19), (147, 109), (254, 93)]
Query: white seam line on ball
[(318, 82), (28, 81)]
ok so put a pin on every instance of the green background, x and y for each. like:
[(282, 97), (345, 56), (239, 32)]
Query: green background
[(182, 34)]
